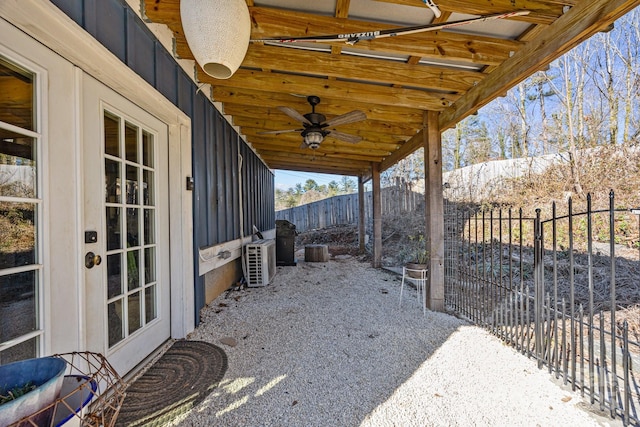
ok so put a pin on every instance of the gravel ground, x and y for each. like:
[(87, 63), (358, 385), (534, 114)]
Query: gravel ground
[(327, 344)]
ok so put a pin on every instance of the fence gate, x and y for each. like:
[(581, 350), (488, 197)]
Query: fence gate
[(562, 290)]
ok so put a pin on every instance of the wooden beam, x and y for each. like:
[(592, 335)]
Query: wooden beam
[(416, 141), (360, 69), (370, 130), (542, 12), (361, 215), (310, 165), (321, 166), (294, 139), (311, 169), (162, 12), (380, 99), (327, 148), (269, 22), (374, 112), (314, 156), (391, 92), (578, 24), (377, 216), (482, 50), (342, 8), (407, 117), (434, 211)]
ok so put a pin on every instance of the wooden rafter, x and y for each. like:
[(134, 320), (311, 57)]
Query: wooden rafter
[(578, 24), (392, 80)]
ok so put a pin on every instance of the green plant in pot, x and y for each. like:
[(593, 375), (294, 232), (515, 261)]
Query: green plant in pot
[(416, 254), (27, 386)]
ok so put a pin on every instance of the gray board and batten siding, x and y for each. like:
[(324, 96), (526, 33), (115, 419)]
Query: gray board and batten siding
[(215, 143)]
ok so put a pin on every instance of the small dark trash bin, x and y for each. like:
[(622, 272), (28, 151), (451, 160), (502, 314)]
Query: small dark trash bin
[(285, 242)]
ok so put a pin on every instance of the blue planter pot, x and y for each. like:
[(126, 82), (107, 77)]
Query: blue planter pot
[(77, 391), (46, 373)]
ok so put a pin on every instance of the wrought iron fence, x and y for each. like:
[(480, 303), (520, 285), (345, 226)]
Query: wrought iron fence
[(557, 290)]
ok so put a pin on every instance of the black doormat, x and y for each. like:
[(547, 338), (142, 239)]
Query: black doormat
[(181, 379)]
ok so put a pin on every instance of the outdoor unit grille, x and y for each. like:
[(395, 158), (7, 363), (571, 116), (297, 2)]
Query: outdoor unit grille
[(261, 262)]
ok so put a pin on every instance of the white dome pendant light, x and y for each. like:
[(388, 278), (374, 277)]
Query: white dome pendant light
[(218, 33)]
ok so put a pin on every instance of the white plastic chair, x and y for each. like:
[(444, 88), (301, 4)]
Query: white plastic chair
[(421, 284)]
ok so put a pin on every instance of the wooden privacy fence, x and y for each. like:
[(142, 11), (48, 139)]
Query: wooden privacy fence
[(341, 210)]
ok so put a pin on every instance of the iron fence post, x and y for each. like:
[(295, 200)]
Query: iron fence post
[(572, 297), (612, 238), (538, 289), (554, 239), (590, 279)]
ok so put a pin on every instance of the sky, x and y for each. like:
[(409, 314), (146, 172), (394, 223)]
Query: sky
[(288, 179)]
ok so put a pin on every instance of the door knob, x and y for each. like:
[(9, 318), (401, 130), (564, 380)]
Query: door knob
[(91, 259)]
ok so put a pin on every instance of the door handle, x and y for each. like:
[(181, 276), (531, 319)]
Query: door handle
[(91, 259)]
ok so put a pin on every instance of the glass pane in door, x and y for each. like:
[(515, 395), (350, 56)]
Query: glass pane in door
[(130, 224), (18, 88), (114, 276), (112, 180), (134, 312), (150, 304), (25, 350), (131, 142), (147, 149), (21, 215), (112, 135), (133, 272), (18, 304), (114, 240), (17, 165), (18, 234), (115, 322)]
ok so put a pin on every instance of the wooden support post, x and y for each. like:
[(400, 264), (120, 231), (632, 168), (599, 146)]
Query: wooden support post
[(434, 212), (361, 215), (377, 216)]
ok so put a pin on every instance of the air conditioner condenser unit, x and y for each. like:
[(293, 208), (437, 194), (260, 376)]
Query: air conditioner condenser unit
[(261, 262)]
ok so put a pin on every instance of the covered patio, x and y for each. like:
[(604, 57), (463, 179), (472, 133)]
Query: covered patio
[(411, 88), (318, 348), (91, 83)]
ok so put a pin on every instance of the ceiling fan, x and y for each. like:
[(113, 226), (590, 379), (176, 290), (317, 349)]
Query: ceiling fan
[(316, 126)]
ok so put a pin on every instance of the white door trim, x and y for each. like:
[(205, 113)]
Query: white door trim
[(47, 24), (181, 233)]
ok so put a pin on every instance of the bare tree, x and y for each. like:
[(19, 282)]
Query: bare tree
[(409, 169), (523, 149), (566, 97), (478, 143), (627, 52), (452, 148)]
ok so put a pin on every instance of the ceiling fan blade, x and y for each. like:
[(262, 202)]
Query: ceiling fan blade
[(278, 132), (294, 115), (353, 139), (350, 117)]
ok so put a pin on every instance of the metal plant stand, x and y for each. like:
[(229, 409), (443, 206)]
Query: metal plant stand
[(102, 386)]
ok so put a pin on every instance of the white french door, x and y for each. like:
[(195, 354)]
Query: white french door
[(126, 219)]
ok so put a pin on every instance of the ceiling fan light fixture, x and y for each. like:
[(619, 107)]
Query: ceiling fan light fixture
[(313, 139), (218, 33)]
